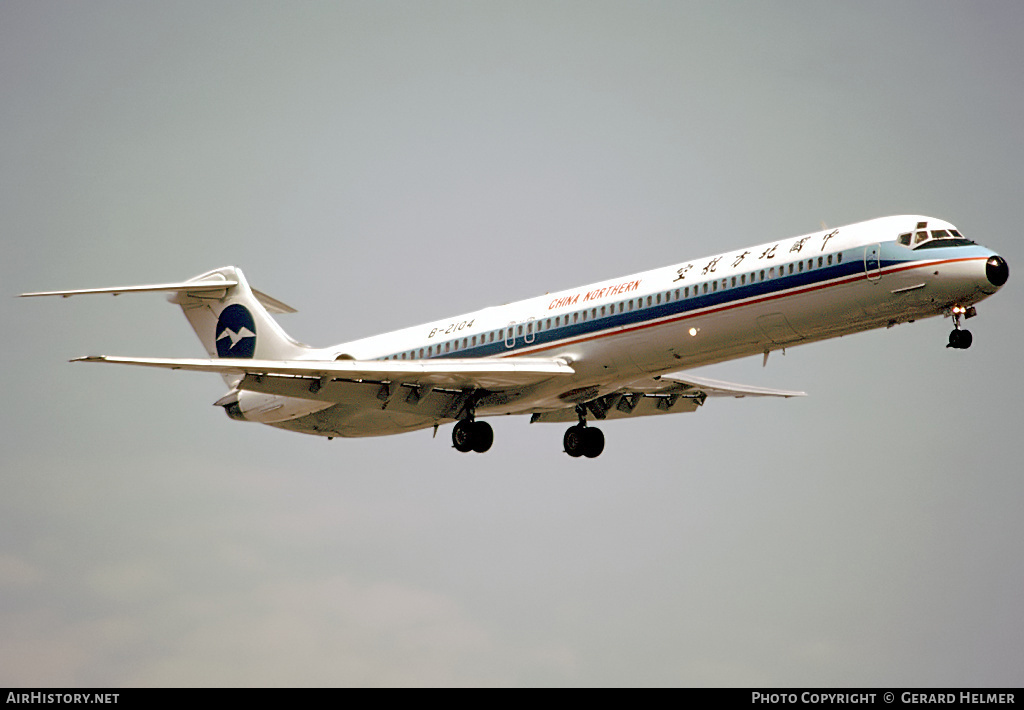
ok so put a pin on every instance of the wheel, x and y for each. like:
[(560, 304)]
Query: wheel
[(593, 442), (960, 339), (462, 436), (573, 441), (483, 436)]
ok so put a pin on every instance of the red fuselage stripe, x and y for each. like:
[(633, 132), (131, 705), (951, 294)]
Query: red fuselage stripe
[(740, 304)]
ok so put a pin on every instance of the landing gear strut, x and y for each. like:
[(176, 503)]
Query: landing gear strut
[(581, 440), (959, 339), (471, 435)]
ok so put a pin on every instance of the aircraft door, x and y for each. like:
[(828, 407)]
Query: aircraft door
[(873, 262)]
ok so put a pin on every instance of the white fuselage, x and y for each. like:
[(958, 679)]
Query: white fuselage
[(739, 303)]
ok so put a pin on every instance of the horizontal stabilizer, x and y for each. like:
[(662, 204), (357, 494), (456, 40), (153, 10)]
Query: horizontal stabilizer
[(191, 286), (272, 304), (208, 283), (452, 372)]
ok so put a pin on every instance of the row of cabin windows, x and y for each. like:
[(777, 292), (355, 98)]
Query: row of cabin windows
[(511, 334)]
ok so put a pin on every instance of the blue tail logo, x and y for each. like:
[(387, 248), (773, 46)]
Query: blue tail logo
[(236, 333)]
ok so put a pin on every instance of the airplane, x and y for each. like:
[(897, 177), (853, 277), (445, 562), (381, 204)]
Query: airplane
[(613, 349)]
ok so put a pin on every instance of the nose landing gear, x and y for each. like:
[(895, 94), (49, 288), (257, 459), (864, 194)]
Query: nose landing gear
[(960, 339), (581, 440)]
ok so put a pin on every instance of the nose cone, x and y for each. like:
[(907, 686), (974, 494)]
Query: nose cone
[(997, 270)]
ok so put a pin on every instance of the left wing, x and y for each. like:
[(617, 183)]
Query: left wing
[(665, 394), (457, 373)]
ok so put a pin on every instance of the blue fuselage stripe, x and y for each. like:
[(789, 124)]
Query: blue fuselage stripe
[(851, 266)]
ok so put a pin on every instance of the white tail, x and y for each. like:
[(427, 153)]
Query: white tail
[(233, 321)]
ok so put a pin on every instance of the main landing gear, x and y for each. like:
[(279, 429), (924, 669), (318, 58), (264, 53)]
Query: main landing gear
[(581, 440), (471, 435), (960, 339)]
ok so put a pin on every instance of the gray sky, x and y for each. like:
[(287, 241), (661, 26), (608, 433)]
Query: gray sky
[(378, 165)]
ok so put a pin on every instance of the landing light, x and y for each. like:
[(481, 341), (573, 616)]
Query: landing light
[(693, 331)]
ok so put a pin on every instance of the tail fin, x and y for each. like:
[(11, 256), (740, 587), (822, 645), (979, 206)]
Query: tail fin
[(233, 321)]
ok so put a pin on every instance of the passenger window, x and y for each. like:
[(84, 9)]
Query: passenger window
[(821, 261), (830, 260)]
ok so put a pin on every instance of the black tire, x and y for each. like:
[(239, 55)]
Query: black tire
[(965, 339), (593, 442), (462, 436), (954, 339), (573, 441), (483, 437)]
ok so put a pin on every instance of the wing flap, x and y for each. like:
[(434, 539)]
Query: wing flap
[(666, 394), (402, 397)]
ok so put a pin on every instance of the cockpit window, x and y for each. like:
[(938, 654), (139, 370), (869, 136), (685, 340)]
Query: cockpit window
[(937, 239)]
